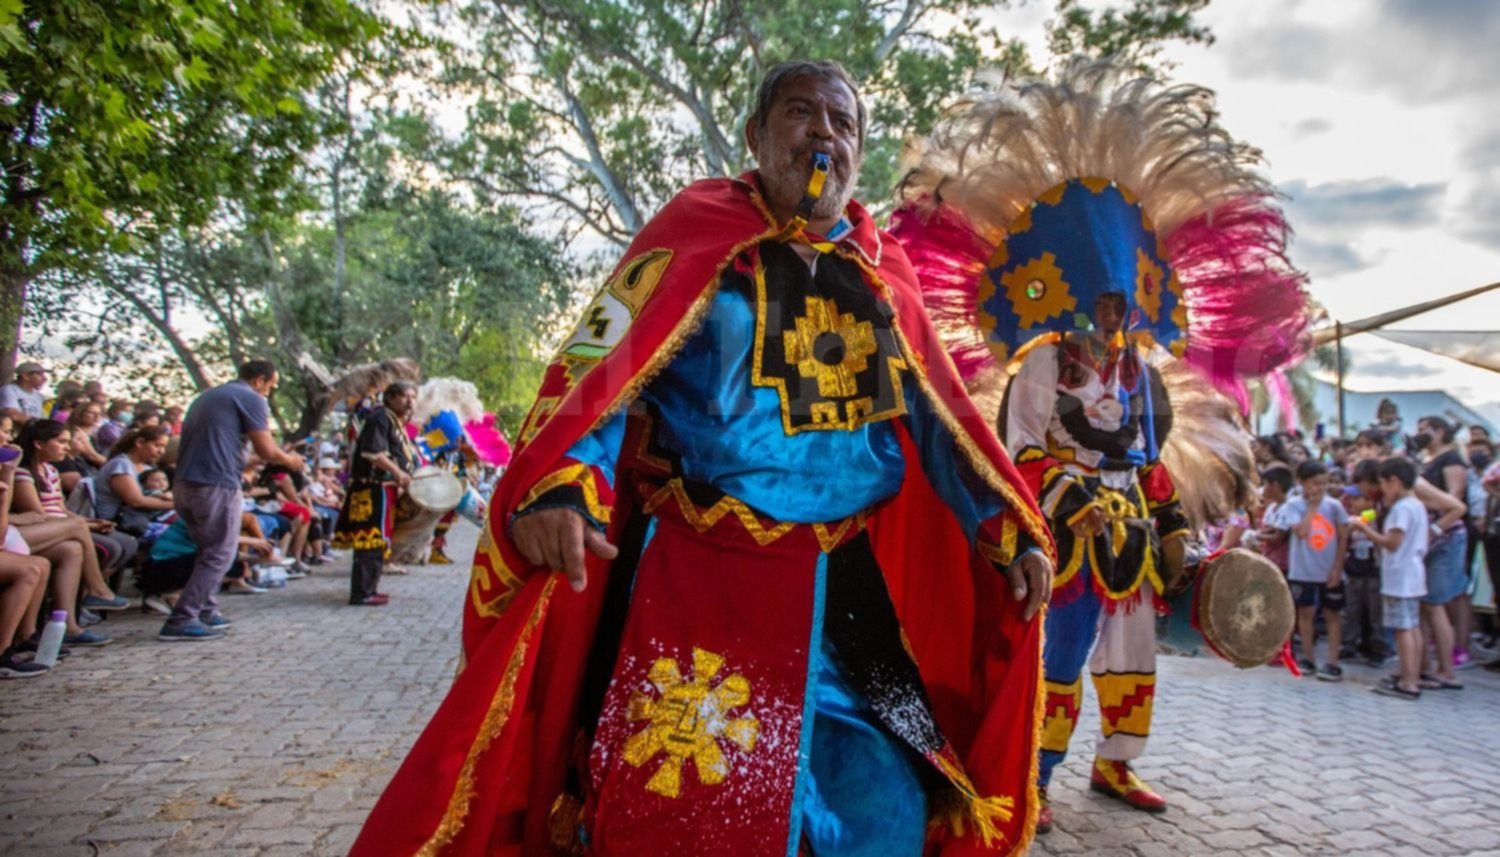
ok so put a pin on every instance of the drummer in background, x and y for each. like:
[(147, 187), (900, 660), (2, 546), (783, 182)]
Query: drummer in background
[(383, 459)]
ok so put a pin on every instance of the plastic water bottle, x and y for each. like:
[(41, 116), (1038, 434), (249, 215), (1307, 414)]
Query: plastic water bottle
[(52, 637)]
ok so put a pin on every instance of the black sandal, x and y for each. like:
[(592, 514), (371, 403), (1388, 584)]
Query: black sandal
[(1389, 687), (1432, 682)]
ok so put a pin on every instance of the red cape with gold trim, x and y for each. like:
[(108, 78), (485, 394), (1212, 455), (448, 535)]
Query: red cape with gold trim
[(485, 773)]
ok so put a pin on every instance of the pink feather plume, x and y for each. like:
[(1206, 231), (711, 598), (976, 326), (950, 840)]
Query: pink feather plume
[(1247, 309), (488, 441), (949, 258)]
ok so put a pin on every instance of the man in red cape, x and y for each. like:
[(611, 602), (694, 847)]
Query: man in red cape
[(759, 579)]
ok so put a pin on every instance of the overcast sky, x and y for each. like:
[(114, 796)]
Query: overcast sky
[(1379, 119)]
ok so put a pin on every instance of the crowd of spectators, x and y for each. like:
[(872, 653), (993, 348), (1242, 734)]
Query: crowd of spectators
[(87, 510), (1379, 537)]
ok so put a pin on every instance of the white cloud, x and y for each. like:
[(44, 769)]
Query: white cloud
[(1377, 117)]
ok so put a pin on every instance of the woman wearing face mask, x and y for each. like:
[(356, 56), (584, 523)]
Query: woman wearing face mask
[(1447, 573), (117, 420)]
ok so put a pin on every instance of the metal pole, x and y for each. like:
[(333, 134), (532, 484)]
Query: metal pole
[(1338, 359)]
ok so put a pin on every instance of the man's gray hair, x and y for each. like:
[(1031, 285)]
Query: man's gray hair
[(784, 73)]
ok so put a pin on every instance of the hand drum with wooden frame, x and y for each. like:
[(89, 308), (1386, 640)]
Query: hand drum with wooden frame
[(1239, 608)]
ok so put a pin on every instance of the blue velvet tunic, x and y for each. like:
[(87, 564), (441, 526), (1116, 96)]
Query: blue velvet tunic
[(861, 795)]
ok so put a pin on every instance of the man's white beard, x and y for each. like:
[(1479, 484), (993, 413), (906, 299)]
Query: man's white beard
[(786, 176), (836, 196)]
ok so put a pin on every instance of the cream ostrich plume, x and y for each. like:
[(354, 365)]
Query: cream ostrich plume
[(448, 394), (367, 378), (1208, 450), (1005, 144)]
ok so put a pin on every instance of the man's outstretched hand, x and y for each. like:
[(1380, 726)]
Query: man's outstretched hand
[(1030, 579), (557, 539)]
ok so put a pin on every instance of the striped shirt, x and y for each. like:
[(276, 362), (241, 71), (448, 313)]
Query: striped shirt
[(48, 487)]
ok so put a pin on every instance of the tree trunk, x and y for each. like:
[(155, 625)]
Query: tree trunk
[(340, 256), (189, 359), (315, 395), (14, 278), (315, 400)]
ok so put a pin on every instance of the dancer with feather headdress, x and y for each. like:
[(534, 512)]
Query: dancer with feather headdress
[(1099, 251)]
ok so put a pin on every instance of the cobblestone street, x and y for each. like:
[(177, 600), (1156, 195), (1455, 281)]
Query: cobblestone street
[(278, 741)]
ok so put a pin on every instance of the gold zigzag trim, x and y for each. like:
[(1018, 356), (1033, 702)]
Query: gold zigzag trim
[(830, 539), (360, 540), (704, 519), (494, 722), (581, 475), (829, 536)]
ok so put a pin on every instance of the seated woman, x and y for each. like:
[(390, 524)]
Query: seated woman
[(44, 443), (82, 459), (67, 544), (170, 564), (23, 584), (117, 488)]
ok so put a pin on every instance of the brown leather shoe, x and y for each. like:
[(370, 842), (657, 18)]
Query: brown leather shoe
[(1116, 780)]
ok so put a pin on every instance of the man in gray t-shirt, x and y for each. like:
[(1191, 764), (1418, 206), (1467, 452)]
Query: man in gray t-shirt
[(207, 492), (212, 449)]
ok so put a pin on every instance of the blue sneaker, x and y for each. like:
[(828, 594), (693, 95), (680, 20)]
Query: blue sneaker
[(94, 602), (86, 638), (218, 620), (188, 632)]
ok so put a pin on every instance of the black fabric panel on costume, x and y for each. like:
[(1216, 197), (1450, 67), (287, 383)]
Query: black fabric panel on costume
[(860, 621), (611, 627), (789, 285), (1118, 571), (1161, 406)]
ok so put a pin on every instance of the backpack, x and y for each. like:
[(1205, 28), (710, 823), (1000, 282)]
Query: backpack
[(81, 501)]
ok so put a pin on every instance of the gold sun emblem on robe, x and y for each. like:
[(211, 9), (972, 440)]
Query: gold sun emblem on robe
[(830, 346), (687, 721)]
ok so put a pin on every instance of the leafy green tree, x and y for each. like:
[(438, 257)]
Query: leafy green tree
[(469, 293), (597, 110), (125, 119), (1136, 34)]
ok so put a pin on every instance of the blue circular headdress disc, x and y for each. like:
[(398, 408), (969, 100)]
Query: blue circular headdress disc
[(1079, 240)]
